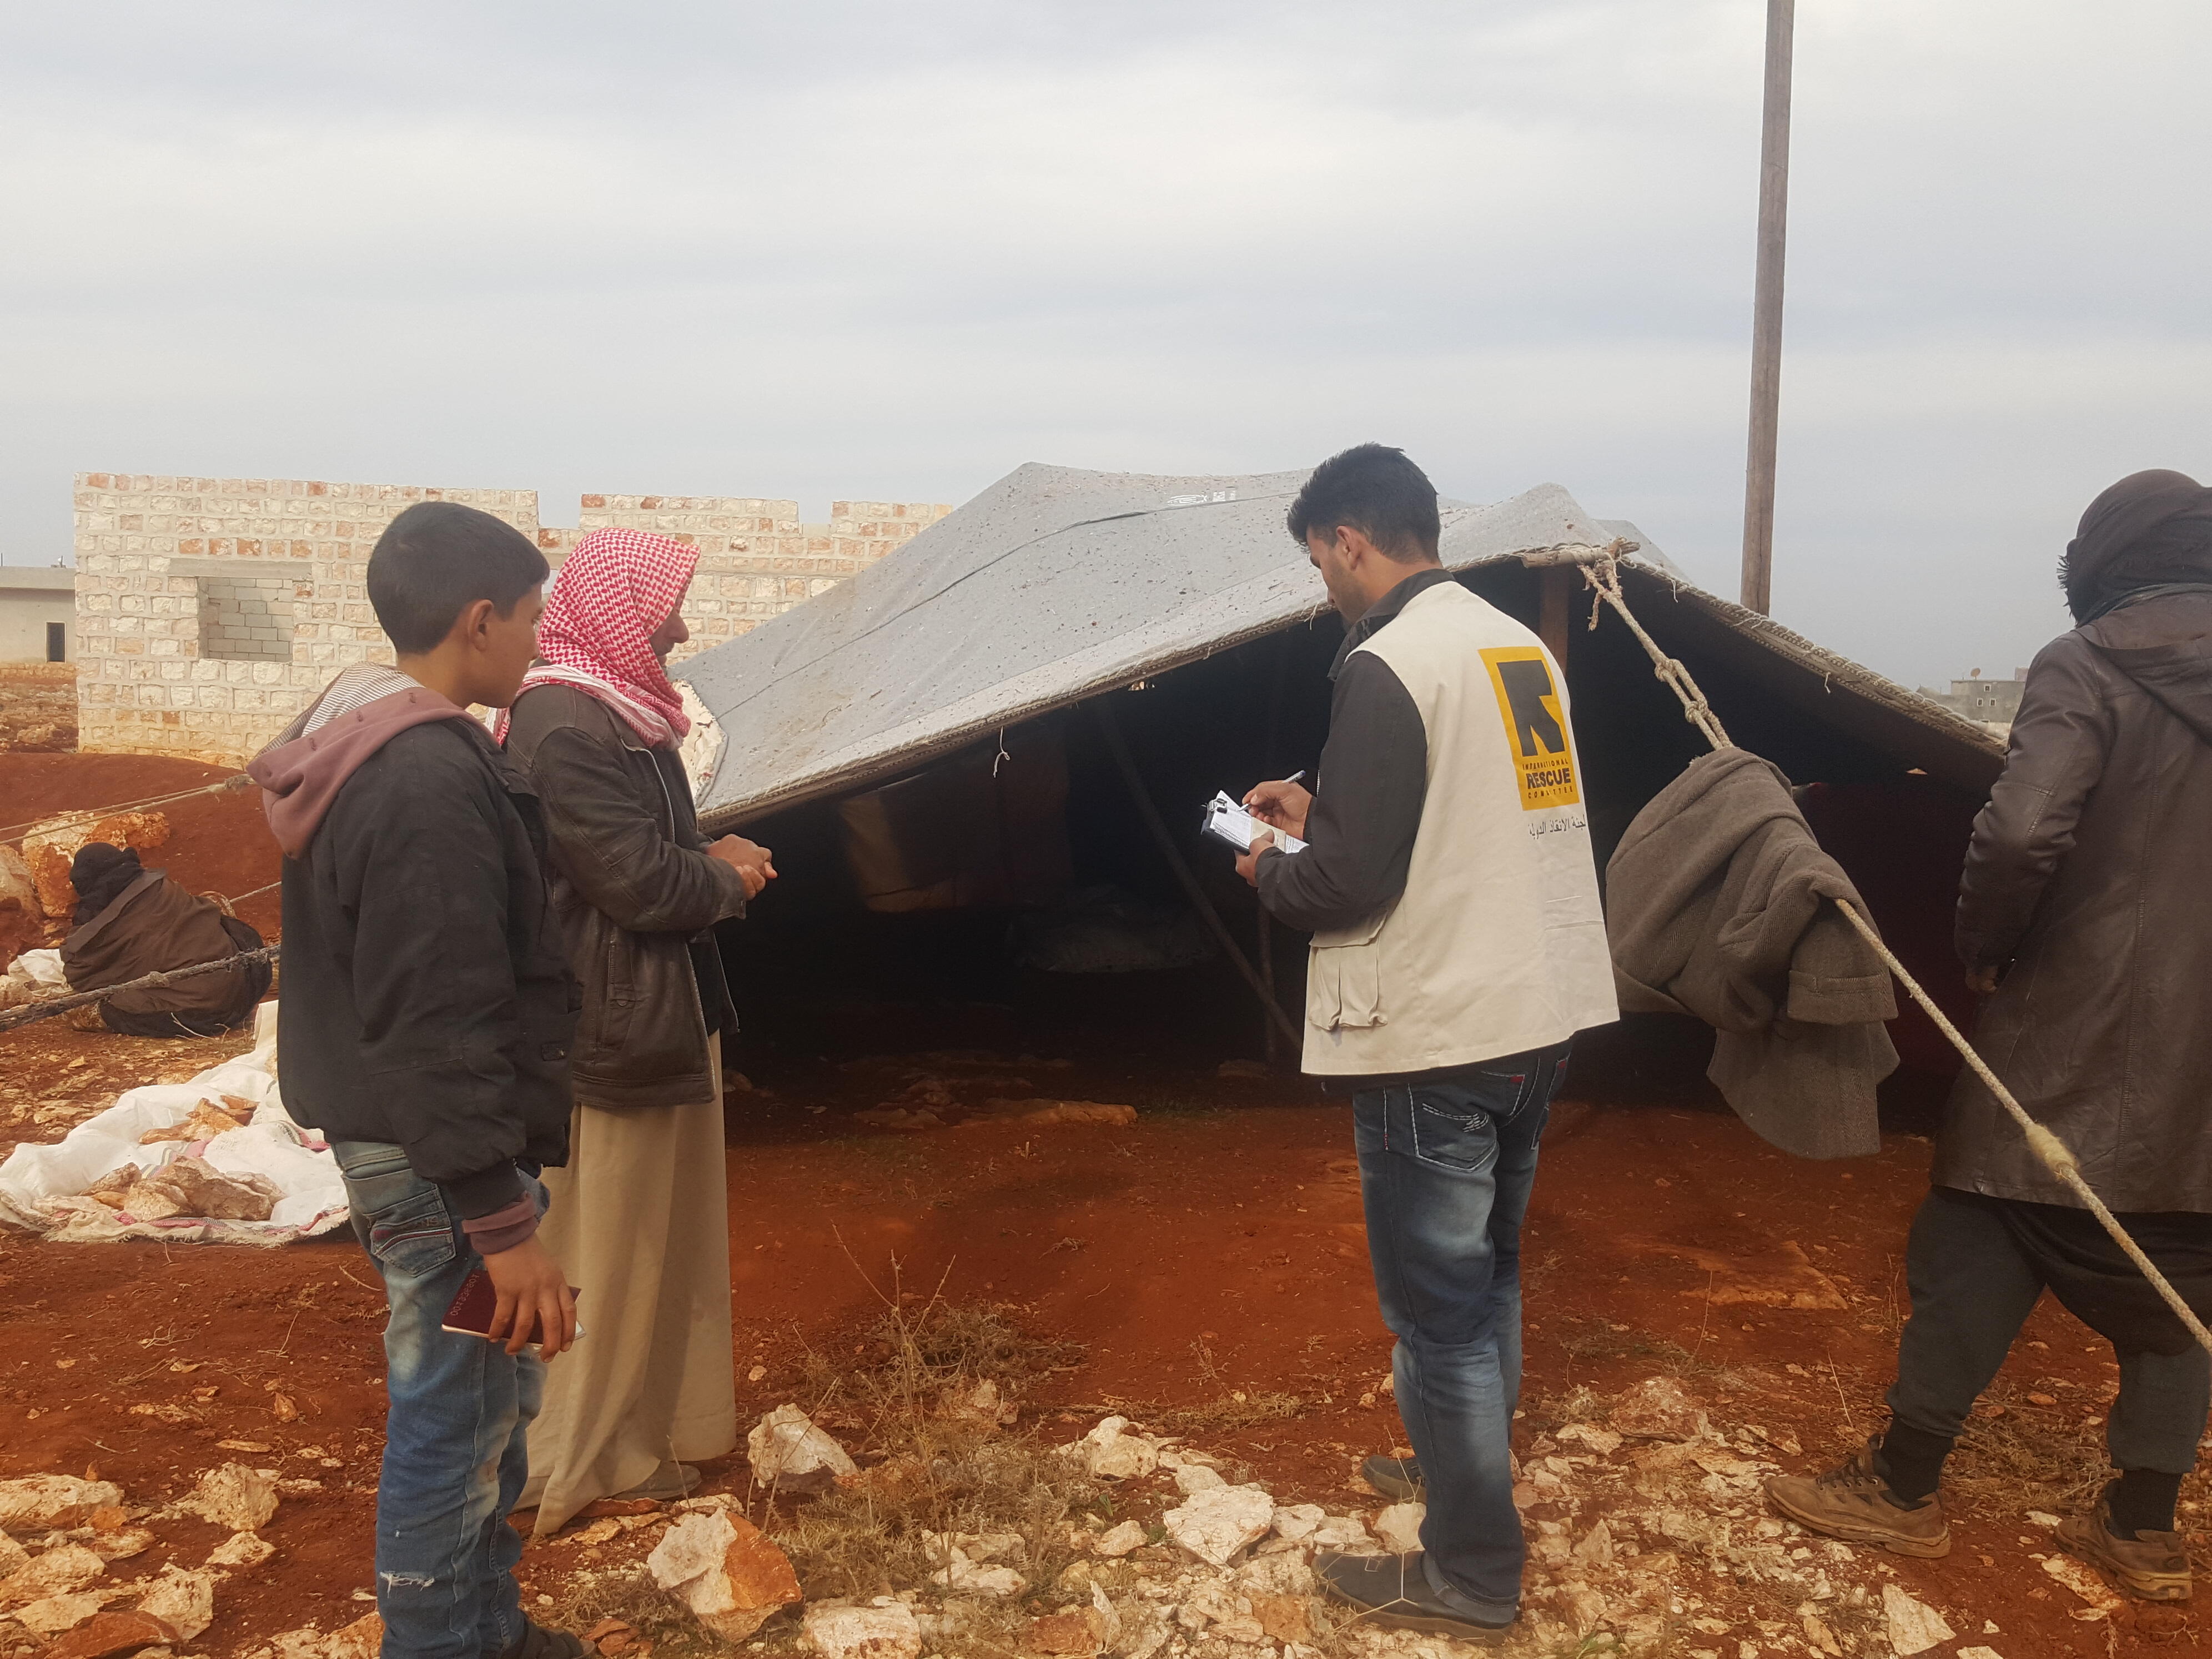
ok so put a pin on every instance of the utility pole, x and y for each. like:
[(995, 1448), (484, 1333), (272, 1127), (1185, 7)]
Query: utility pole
[(1766, 312)]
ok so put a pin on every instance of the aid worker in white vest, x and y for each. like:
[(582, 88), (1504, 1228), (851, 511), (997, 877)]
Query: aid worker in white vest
[(1458, 946)]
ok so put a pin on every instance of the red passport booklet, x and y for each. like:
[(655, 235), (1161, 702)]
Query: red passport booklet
[(471, 1312)]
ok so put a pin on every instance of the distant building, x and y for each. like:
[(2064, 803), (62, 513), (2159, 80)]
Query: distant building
[(213, 610), (38, 613), (1991, 702)]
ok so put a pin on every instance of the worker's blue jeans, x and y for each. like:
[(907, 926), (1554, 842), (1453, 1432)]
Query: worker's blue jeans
[(454, 1457), (1445, 1171)]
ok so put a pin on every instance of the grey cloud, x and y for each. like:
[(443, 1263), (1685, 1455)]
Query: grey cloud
[(899, 249)]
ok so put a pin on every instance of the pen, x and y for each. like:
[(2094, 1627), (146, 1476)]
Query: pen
[(1296, 776)]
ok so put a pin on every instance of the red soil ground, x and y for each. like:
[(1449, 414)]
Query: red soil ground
[(218, 844), (1215, 1247), (1212, 1249)]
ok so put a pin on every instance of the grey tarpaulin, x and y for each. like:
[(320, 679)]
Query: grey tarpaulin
[(1053, 584), (1056, 583)]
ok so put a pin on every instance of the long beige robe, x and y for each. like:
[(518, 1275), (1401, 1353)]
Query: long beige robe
[(640, 1218)]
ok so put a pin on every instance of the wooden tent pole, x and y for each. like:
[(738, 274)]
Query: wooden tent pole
[(1766, 314), (1189, 881)]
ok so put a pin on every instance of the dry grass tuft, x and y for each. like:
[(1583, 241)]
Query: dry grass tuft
[(1236, 1409), (630, 1594), (936, 1463), (2025, 1459)]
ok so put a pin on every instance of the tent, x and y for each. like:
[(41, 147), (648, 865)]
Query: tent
[(995, 716)]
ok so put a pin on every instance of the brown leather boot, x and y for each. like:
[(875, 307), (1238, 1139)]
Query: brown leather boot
[(2154, 1565), (1853, 1503)]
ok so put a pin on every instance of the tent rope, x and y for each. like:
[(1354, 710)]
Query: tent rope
[(47, 1007), (1601, 568), (14, 832)]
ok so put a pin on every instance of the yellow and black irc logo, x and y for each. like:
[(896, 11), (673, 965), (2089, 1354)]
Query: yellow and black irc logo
[(1535, 731)]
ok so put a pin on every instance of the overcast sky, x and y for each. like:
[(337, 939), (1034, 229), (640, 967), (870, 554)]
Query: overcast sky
[(861, 248)]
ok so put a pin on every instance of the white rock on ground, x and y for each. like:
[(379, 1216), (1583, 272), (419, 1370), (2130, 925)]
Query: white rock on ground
[(1914, 1626), (1399, 1526), (1586, 1609), (1979, 1653), (1276, 1575), (1297, 1521), (1217, 1608), (886, 1629), (1119, 1540), (121, 1544), (64, 1568), (1107, 1621), (1347, 1533), (1658, 1408), (974, 1578), (1193, 1477), (236, 1497), (362, 1639), (1596, 1548), (2083, 1580), (786, 1445), (1603, 1442), (241, 1549), (726, 1571), (183, 1601), (53, 1615), (1214, 1525), (1110, 1452), (39, 1503)]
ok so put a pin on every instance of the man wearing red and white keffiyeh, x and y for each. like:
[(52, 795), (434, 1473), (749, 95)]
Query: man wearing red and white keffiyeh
[(613, 614)]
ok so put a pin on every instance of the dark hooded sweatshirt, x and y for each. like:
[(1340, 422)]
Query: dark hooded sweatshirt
[(426, 998)]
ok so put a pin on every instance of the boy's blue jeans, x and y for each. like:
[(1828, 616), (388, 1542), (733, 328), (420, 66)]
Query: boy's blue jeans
[(460, 1408), (1445, 1171)]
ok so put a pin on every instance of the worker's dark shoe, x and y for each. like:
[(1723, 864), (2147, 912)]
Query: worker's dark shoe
[(2154, 1565), (1393, 1591), (668, 1483), (1398, 1479), (1854, 1503), (539, 1642)]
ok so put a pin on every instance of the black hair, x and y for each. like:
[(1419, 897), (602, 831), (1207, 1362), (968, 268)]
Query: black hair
[(1378, 492), (438, 558)]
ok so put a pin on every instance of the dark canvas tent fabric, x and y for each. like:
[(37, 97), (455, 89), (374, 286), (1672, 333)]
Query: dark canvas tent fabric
[(1057, 583)]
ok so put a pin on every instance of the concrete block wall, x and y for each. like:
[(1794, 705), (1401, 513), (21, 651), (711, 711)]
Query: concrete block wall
[(246, 618), (150, 548), (166, 666), (756, 559)]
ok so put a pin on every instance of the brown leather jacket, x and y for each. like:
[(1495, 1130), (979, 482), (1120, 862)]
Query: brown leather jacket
[(2087, 886), (637, 898)]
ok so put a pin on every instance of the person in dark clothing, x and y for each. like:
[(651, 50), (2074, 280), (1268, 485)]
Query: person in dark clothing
[(641, 1219), (424, 1031), (130, 921), (2086, 921), (1457, 947)]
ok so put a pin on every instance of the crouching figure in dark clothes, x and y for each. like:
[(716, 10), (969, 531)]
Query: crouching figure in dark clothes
[(130, 921), (2086, 919)]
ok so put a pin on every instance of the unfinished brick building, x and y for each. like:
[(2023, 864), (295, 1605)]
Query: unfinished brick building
[(209, 609)]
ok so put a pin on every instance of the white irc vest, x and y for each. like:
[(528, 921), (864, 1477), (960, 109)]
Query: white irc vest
[(1498, 944)]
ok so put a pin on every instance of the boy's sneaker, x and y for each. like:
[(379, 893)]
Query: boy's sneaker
[(2154, 1565), (1853, 1503), (1393, 1591), (1398, 1479)]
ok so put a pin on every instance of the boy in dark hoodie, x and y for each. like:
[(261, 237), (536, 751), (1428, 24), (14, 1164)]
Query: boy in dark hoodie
[(425, 1023)]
